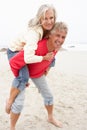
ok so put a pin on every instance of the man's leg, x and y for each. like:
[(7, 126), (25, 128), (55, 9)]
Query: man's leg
[(13, 120), (42, 85), (51, 118), (16, 109)]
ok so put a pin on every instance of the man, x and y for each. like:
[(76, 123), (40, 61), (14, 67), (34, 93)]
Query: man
[(37, 73)]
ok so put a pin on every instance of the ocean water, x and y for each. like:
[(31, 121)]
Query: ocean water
[(75, 47), (69, 47)]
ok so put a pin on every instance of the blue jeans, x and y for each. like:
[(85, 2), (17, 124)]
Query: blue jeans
[(20, 81), (44, 90)]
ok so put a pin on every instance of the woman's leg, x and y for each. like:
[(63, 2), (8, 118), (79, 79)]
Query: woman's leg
[(17, 62), (48, 99), (18, 83)]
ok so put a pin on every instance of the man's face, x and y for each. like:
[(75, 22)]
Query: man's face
[(58, 38)]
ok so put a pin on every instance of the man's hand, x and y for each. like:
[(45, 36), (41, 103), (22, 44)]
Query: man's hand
[(46, 71)]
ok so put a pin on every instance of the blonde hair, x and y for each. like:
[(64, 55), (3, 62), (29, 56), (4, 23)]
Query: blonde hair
[(41, 12)]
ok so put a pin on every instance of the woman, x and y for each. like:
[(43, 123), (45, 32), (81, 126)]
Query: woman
[(38, 28)]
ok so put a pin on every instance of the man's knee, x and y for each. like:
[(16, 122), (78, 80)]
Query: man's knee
[(16, 108), (48, 100)]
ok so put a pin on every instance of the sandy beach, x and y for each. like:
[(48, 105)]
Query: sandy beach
[(68, 82)]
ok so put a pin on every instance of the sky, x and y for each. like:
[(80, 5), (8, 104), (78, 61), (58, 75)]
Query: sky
[(15, 14)]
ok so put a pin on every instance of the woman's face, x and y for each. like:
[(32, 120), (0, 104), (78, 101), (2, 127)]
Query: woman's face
[(48, 20)]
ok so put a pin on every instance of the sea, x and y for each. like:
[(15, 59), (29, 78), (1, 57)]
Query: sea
[(75, 47), (69, 47)]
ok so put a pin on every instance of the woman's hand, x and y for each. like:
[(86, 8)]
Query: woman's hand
[(48, 56)]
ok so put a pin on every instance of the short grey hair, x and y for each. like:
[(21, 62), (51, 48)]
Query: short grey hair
[(41, 12), (61, 26)]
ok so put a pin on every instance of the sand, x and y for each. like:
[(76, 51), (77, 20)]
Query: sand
[(68, 82)]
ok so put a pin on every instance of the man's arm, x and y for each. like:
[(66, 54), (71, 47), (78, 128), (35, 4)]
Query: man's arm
[(51, 65)]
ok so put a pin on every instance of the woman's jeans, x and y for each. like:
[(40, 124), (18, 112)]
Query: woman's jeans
[(21, 80)]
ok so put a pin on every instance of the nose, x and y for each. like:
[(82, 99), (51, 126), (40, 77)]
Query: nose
[(49, 21), (59, 39)]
